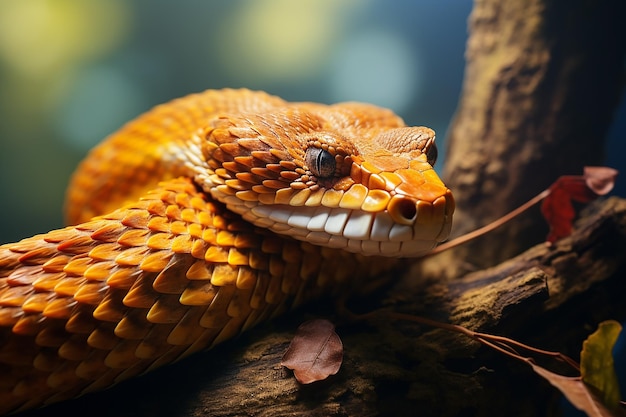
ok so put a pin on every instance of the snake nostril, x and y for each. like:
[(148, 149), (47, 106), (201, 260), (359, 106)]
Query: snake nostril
[(403, 210)]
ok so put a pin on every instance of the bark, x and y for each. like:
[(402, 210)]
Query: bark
[(549, 297), (542, 80)]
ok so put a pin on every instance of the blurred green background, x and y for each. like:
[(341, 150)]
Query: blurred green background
[(72, 71)]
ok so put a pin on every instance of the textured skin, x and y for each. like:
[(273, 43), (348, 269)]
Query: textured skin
[(174, 268)]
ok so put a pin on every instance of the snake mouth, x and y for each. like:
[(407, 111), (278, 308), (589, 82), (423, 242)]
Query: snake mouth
[(407, 228)]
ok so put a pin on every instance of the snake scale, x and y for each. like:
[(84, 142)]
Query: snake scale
[(201, 218)]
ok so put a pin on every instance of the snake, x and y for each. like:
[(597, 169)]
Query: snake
[(201, 218)]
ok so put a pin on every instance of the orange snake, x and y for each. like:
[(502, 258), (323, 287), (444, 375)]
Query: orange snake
[(215, 212)]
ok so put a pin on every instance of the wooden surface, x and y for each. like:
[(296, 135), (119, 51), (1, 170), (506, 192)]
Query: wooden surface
[(549, 297)]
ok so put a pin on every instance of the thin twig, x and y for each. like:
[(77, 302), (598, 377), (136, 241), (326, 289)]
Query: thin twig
[(501, 344), (489, 227), (555, 355)]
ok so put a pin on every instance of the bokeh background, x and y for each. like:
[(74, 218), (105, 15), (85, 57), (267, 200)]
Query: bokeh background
[(73, 71)]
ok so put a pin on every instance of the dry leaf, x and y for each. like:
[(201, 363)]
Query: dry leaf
[(557, 207), (315, 353), (577, 392), (600, 179)]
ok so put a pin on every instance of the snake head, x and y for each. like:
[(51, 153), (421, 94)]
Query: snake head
[(349, 176)]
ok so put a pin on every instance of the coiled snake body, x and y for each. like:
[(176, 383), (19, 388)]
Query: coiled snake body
[(213, 212)]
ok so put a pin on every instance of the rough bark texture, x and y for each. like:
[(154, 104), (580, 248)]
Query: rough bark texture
[(549, 297), (542, 79)]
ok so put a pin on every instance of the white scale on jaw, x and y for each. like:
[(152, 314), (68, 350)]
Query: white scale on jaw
[(356, 231), (352, 230), (340, 222)]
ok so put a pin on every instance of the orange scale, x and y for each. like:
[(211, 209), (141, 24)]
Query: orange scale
[(182, 200), (197, 203), (108, 311), (159, 224), (135, 237), (56, 264), (108, 233), (75, 349), (182, 244), (63, 376), (187, 330), (137, 219), (122, 355), (237, 257), (224, 275), (173, 212), (99, 271), (105, 251), (52, 334), (166, 310), (199, 270), (198, 293), (32, 256), (156, 261), (68, 286), (225, 238), (205, 218), (91, 293), (216, 254), (81, 321), (198, 249), (131, 256), (9, 316), (188, 215), (79, 244), (160, 241), (122, 278), (195, 230), (78, 265), (26, 325), (36, 302), (24, 275)]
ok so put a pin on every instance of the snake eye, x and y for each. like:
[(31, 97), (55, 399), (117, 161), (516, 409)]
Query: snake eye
[(431, 154), (321, 162)]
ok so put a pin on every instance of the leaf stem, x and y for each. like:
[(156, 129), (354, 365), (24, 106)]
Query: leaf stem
[(501, 344), (489, 227)]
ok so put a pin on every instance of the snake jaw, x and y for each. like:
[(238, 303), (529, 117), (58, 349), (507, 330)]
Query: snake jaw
[(387, 222)]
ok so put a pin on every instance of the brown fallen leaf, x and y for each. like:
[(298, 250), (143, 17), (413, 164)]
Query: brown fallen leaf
[(315, 353), (581, 395)]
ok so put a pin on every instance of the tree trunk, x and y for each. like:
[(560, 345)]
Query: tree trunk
[(542, 80)]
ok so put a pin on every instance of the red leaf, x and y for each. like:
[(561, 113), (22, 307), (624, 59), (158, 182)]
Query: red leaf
[(315, 352), (557, 207)]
